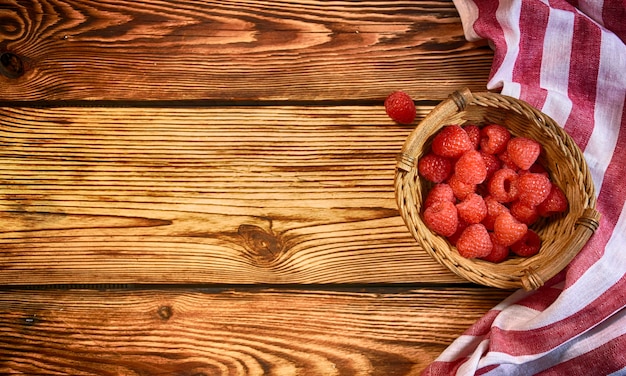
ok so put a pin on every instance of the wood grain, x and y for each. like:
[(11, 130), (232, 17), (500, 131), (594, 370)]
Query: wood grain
[(233, 332), (233, 50), (204, 195)]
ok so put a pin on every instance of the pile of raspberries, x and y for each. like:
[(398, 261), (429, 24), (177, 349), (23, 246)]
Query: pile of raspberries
[(489, 188)]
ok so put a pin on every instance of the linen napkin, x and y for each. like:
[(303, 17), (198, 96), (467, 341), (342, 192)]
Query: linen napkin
[(567, 59)]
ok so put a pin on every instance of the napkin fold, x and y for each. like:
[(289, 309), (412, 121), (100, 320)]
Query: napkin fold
[(567, 59)]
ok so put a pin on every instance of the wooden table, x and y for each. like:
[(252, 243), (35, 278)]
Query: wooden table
[(206, 187)]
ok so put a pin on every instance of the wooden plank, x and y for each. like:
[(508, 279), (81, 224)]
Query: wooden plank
[(225, 50), (233, 332), (204, 195)]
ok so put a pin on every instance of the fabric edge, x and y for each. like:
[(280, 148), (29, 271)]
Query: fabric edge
[(469, 14)]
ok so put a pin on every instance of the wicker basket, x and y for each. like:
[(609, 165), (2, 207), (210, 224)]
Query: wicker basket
[(562, 236)]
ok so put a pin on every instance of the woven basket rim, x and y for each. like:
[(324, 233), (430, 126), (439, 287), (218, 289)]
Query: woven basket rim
[(562, 237)]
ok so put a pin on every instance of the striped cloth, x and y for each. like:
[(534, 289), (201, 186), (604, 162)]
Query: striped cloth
[(568, 59)]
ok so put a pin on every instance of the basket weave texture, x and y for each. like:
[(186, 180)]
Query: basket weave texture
[(562, 236)]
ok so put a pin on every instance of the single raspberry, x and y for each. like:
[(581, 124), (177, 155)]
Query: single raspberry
[(440, 192), (474, 242), (494, 139), (503, 185), (471, 168), (442, 218), (508, 230), (454, 238), (492, 163), (523, 151), (400, 107), (528, 245), (507, 162), (459, 188), (434, 168), (494, 209), (472, 209), (524, 213), (498, 253), (556, 202), (533, 188), (474, 134), (451, 142)]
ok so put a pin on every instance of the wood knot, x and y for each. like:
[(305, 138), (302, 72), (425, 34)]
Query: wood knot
[(262, 244), (11, 65), (165, 312)]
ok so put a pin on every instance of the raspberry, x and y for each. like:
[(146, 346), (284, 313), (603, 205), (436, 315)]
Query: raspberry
[(454, 238), (494, 209), (523, 151), (499, 252), (528, 245), (473, 209), (507, 162), (556, 202), (474, 242), (400, 107), (440, 192), (524, 213), (470, 168), (533, 188), (508, 230), (434, 168), (442, 218), (451, 142), (494, 139), (503, 185), (492, 163), (474, 134), (459, 188)]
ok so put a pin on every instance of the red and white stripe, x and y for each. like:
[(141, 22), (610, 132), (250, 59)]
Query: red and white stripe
[(568, 59)]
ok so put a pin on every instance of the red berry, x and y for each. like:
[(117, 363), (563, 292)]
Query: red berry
[(454, 238), (471, 168), (533, 188), (440, 192), (474, 242), (492, 163), (494, 139), (524, 213), (556, 202), (474, 134), (442, 218), (434, 168), (451, 142), (472, 209), (507, 162), (459, 188), (523, 151), (498, 253), (503, 185), (400, 107), (528, 245), (508, 230), (494, 209)]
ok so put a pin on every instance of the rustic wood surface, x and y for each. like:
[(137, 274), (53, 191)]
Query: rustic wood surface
[(231, 332), (206, 188), (232, 50), (204, 195)]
